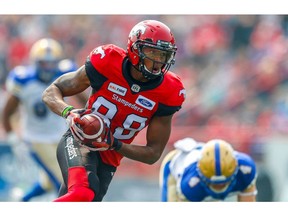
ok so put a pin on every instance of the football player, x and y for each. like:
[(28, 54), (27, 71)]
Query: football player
[(131, 89), (210, 171), (40, 128)]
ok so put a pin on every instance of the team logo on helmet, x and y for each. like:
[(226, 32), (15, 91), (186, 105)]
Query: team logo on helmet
[(137, 31)]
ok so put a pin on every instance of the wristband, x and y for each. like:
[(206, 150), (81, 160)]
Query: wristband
[(66, 111), (117, 145)]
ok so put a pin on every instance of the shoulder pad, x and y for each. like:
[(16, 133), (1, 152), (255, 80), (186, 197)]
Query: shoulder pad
[(186, 144), (67, 65), (177, 94), (105, 56), (18, 77), (22, 74)]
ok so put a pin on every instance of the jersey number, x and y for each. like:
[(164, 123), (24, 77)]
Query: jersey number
[(132, 123), (40, 109)]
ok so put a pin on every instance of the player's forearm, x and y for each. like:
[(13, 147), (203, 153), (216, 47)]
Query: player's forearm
[(144, 154), (248, 195), (53, 98), (6, 124), (7, 113)]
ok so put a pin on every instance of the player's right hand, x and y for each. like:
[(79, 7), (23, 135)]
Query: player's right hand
[(109, 142), (73, 121)]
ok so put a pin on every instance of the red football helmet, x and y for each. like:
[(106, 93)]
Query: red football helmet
[(155, 35)]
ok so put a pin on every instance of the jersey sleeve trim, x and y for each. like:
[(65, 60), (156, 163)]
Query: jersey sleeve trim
[(164, 110), (252, 193)]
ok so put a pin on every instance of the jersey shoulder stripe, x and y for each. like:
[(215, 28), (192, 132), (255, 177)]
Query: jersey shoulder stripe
[(18, 78), (22, 74), (172, 93), (247, 169)]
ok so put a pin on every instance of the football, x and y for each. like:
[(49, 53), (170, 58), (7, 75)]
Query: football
[(93, 127)]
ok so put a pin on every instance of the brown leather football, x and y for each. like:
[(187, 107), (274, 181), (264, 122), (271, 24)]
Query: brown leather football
[(93, 128)]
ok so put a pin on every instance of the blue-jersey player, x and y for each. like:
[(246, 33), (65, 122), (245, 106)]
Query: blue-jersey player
[(39, 128), (211, 171)]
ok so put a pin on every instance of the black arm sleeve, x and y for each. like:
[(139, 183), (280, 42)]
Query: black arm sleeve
[(164, 110), (96, 79)]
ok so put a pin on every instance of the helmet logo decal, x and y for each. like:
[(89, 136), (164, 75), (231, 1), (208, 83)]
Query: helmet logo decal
[(137, 31), (183, 91)]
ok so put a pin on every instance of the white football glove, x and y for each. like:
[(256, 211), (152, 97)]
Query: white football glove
[(73, 119)]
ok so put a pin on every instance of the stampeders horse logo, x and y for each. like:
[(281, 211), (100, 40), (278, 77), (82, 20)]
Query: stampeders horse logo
[(137, 31), (100, 51)]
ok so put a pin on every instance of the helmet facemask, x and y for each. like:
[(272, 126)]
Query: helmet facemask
[(46, 70), (218, 184), (161, 53)]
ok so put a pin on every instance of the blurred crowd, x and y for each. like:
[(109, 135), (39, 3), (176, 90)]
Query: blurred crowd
[(234, 67)]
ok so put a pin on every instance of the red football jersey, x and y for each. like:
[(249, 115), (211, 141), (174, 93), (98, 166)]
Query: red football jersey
[(126, 104)]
